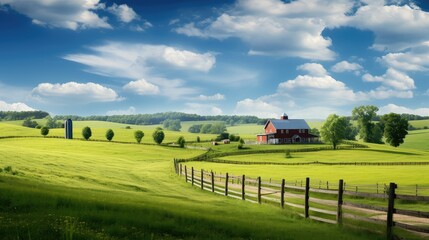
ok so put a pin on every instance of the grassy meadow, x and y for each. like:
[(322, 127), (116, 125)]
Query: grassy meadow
[(53, 188)]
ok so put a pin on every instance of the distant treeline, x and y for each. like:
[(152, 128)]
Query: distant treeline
[(158, 118), (11, 116), (409, 117)]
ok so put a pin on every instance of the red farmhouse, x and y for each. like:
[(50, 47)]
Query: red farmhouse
[(285, 130)]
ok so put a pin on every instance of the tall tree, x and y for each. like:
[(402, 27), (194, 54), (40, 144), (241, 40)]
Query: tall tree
[(138, 135), (364, 116), (334, 130), (86, 133), (395, 128), (109, 134)]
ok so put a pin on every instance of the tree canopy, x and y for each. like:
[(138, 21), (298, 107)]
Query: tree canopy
[(158, 135), (334, 130), (368, 131), (138, 135), (86, 133), (44, 131), (109, 134), (395, 128), (172, 124)]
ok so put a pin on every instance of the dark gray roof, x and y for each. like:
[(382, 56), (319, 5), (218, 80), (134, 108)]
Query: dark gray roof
[(290, 124)]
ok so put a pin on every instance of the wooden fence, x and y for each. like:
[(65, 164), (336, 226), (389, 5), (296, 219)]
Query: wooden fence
[(325, 205)]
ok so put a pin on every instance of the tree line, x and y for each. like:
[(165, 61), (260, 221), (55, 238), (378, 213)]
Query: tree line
[(159, 118), (393, 127), (12, 116)]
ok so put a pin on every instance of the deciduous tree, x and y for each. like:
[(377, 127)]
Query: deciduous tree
[(86, 133), (395, 128), (334, 130), (109, 134), (138, 135)]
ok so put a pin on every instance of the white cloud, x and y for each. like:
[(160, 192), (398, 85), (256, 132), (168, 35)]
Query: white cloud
[(77, 14), (187, 59), (308, 81), (215, 97), (142, 87), (135, 61), (389, 108), (416, 59), (131, 110), (202, 109), (257, 108), (123, 12), (345, 66), (396, 27), (15, 107), (384, 93), (313, 69), (275, 28), (77, 92), (392, 78)]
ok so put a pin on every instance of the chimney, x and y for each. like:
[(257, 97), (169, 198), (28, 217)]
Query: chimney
[(284, 116)]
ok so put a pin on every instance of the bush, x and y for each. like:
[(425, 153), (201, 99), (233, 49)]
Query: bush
[(86, 133), (138, 135), (29, 123), (181, 141), (425, 127), (38, 126), (195, 128), (287, 154), (234, 138), (44, 131), (109, 134), (158, 135), (222, 136), (241, 144), (198, 139), (8, 169), (127, 127)]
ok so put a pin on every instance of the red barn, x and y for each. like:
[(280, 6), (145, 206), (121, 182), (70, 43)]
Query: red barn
[(285, 130)]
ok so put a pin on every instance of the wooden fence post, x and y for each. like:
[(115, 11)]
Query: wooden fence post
[(259, 190), (212, 182), (186, 175), (340, 203), (242, 187), (391, 210), (282, 196), (226, 184), (202, 179), (307, 197), (192, 176)]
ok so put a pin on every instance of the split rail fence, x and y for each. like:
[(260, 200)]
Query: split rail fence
[(324, 205)]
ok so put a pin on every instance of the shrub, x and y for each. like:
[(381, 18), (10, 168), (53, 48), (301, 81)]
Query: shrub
[(241, 144), (234, 138), (127, 127), (158, 135), (138, 135), (222, 136), (181, 141), (287, 154), (198, 139), (425, 127), (86, 133), (38, 126), (109, 134), (8, 169), (44, 131)]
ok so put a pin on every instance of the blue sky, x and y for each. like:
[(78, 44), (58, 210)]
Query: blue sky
[(308, 58)]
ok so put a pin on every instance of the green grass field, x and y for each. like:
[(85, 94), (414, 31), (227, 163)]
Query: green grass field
[(129, 191), (126, 191), (419, 123)]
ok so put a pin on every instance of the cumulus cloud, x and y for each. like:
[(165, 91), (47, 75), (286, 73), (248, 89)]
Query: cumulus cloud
[(389, 108), (392, 78), (345, 66), (257, 107), (215, 97), (131, 110), (387, 22), (77, 92), (314, 69), (273, 27), (187, 59), (415, 59), (15, 107), (202, 109), (123, 12), (142, 87), (77, 14)]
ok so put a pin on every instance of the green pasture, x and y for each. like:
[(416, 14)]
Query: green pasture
[(419, 123), (418, 139), (69, 189)]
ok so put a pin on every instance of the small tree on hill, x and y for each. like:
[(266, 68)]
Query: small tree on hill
[(181, 141), (86, 133), (334, 129), (198, 139), (109, 134), (138, 135), (395, 128), (44, 131), (158, 135), (240, 144)]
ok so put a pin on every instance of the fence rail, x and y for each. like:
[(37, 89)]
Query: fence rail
[(313, 202)]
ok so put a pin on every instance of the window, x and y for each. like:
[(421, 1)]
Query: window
[(287, 131)]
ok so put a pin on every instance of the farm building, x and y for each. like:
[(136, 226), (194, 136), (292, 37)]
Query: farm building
[(285, 130)]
